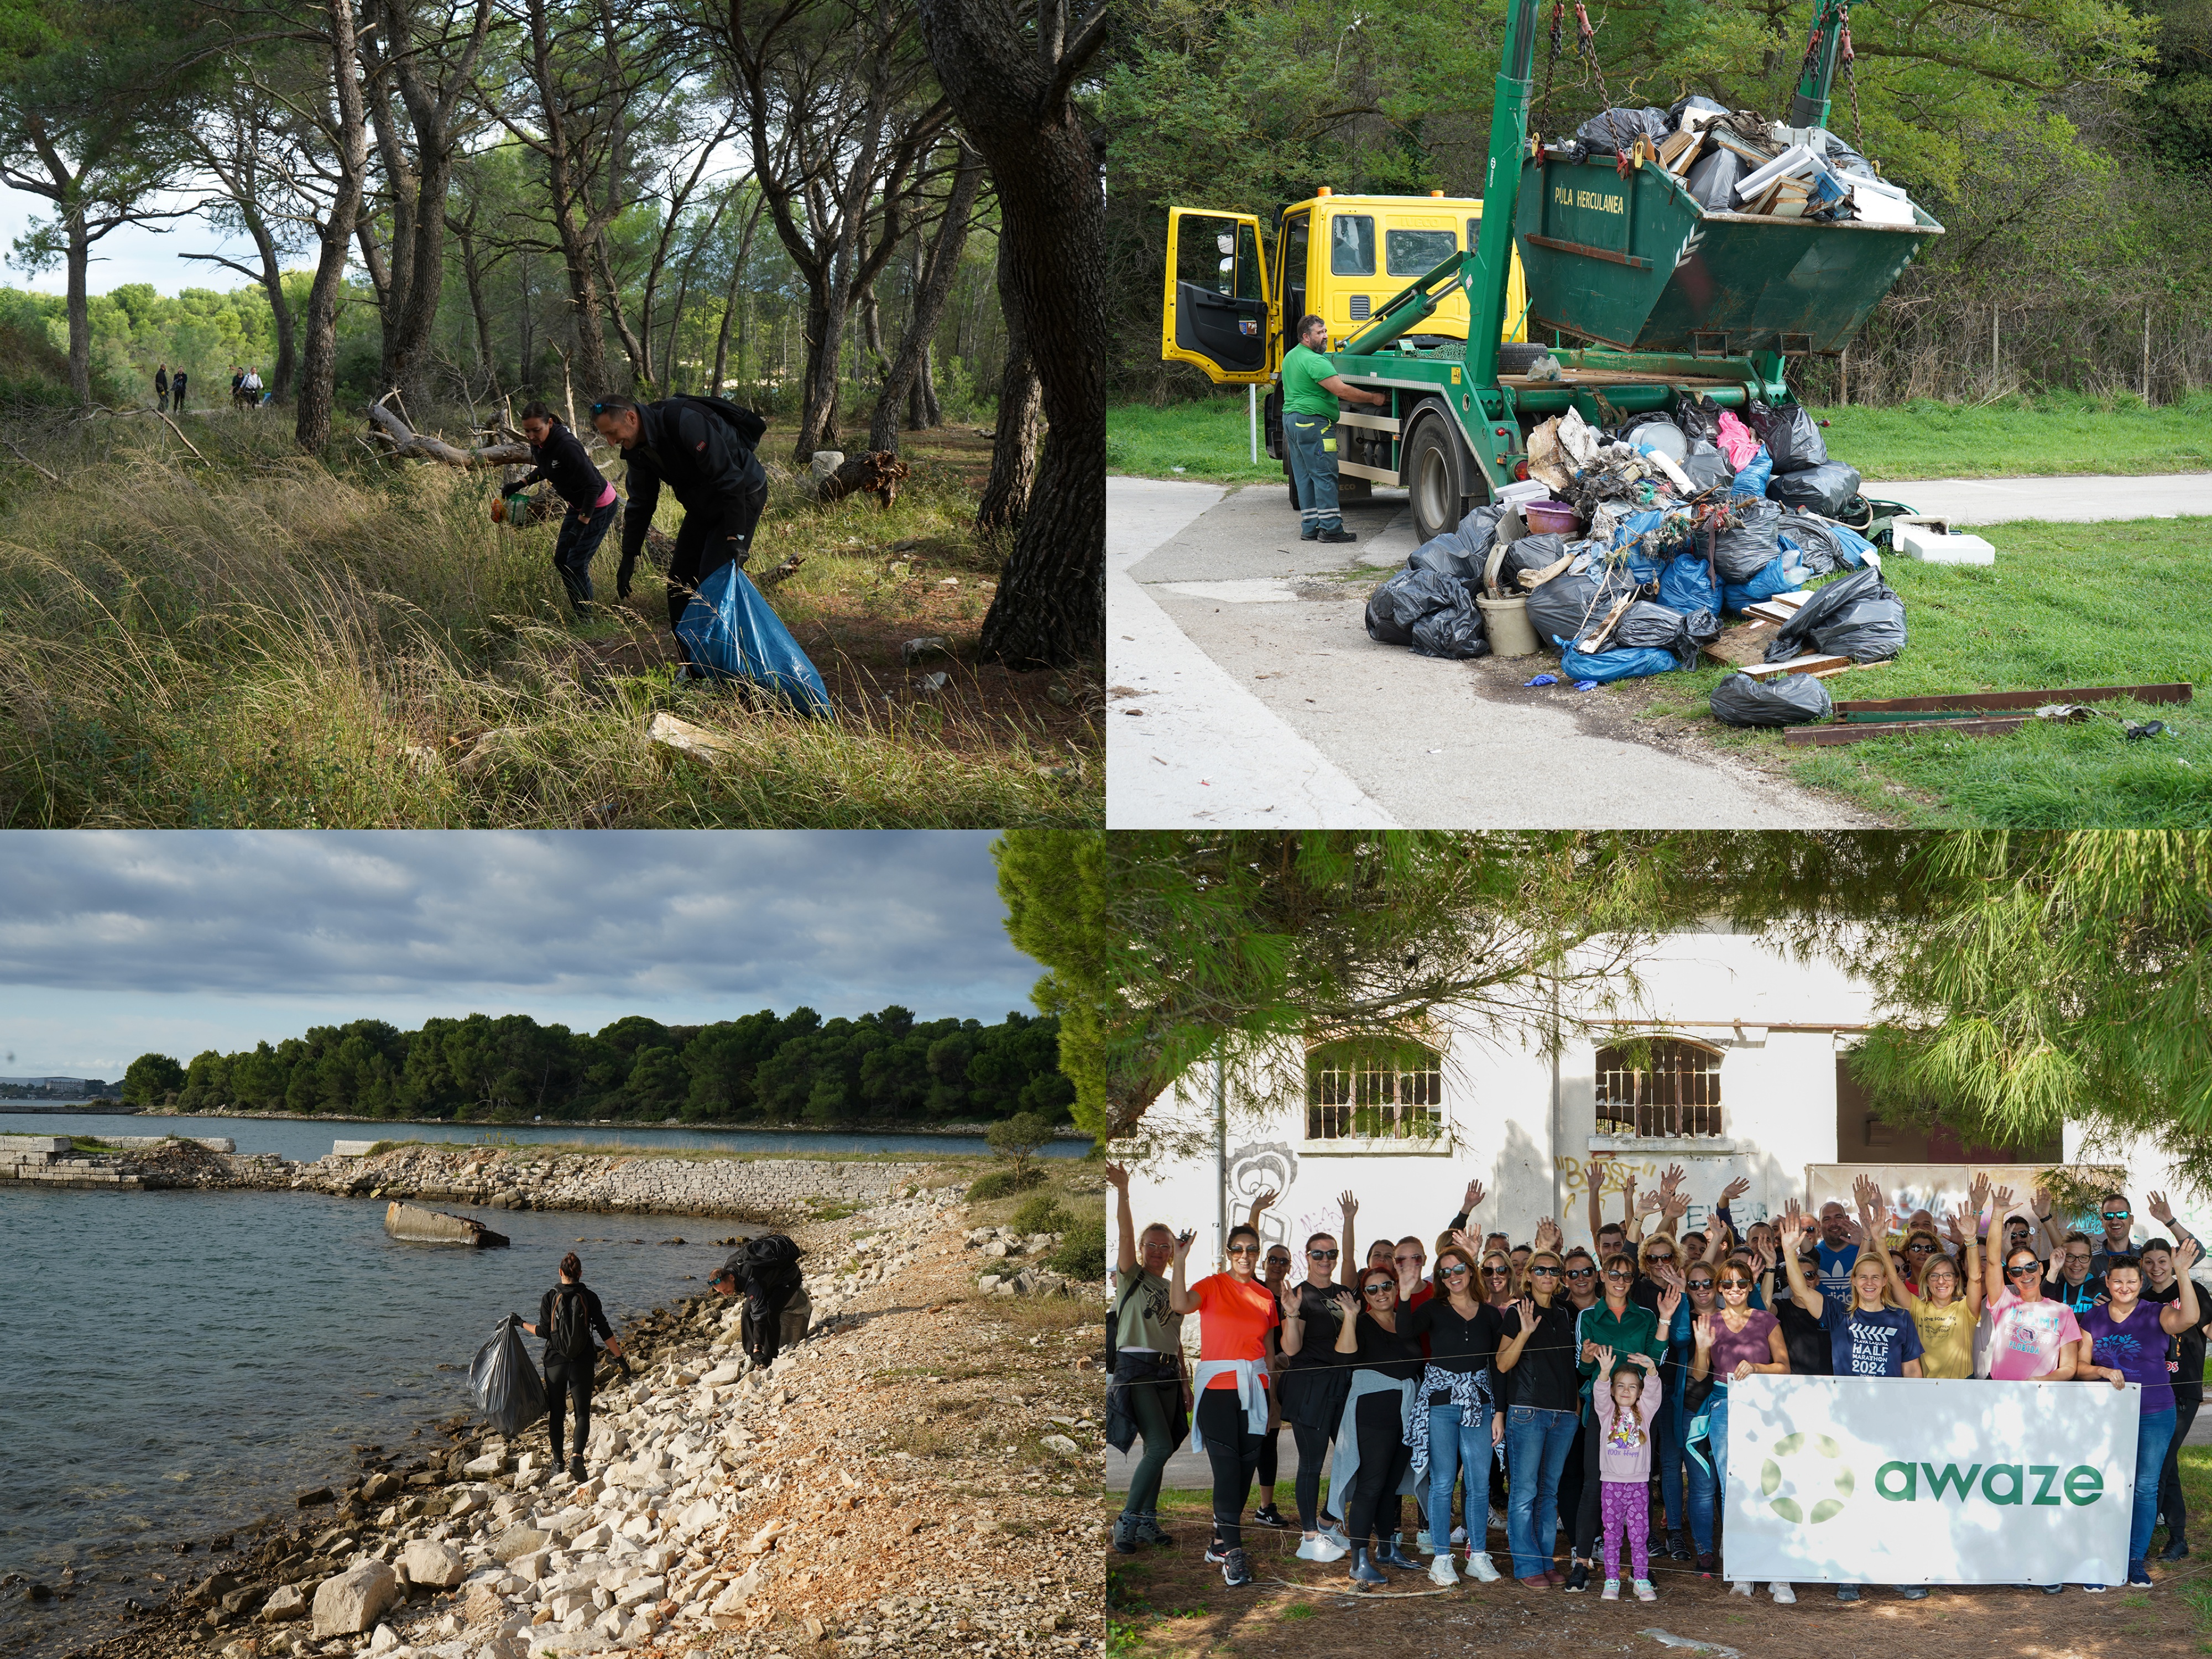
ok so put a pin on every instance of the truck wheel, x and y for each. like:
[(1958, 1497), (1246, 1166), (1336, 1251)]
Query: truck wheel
[(1290, 478), (1516, 358), (1430, 466)]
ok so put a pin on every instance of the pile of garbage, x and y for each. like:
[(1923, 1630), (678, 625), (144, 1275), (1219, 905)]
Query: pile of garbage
[(1738, 161), (1679, 518)]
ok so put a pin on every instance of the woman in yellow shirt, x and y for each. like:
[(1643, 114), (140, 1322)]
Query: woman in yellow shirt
[(1946, 1311)]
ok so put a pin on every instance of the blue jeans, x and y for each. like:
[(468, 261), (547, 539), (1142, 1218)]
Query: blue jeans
[(2151, 1441), (1707, 1486), (1311, 440), (1537, 1445), (1451, 1447)]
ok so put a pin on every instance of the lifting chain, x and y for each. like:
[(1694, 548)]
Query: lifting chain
[(1551, 65), (1851, 76), (1586, 38)]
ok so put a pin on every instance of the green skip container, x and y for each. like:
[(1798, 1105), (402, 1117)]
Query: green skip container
[(1638, 264)]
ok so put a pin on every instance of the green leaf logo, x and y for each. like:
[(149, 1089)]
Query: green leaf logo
[(1803, 1447)]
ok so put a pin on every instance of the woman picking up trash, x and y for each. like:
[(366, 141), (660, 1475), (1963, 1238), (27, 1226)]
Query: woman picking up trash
[(1234, 1314), (562, 462), (1146, 1395), (2125, 1341)]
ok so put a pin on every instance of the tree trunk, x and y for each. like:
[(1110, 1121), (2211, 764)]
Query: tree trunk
[(272, 284), (318, 353), (472, 273), (825, 341), (934, 284), (1012, 99), (80, 311), (1014, 448), (396, 270), (922, 412)]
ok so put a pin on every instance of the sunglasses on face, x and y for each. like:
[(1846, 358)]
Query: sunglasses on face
[(2025, 1270), (1581, 1273), (1735, 1284), (1701, 1283), (1382, 1290), (1918, 1250), (1455, 1271), (1661, 1255), (1321, 1255), (2116, 1215), (1497, 1273), (1618, 1273), (1243, 1249), (1279, 1261), (1551, 1273)]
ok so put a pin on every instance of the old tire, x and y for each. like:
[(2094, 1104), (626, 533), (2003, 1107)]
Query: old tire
[(1433, 465), (1517, 358), (1290, 479)]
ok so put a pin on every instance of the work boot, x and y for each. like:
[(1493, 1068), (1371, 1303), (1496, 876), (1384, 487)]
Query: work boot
[(1125, 1535), (576, 1470), (1336, 535)]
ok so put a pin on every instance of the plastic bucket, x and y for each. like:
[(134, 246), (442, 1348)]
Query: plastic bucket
[(1505, 624), (1551, 518)]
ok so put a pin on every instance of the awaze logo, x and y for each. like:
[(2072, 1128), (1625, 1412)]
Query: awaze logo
[(1994, 1483), (1808, 1463)]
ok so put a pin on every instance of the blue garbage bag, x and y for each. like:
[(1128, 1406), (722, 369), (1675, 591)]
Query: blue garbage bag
[(1772, 579), (1754, 476), (1633, 663), (1686, 584), (729, 630)]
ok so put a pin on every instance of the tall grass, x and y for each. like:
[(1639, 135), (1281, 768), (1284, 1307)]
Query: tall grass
[(273, 639)]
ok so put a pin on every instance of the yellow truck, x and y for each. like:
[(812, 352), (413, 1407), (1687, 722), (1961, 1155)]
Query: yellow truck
[(1233, 307)]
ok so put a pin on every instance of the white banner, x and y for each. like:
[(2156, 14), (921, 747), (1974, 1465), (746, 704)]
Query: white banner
[(1938, 1189), (1877, 1481)]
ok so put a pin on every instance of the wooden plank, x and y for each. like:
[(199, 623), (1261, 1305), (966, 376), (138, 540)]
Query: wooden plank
[(1817, 664), (1744, 645), (1825, 735), (2177, 692)]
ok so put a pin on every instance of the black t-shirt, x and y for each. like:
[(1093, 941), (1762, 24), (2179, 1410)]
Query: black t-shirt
[(1320, 1314), (1455, 1344), (1397, 1353), (593, 1313), (1807, 1340), (2184, 1354), (1546, 1377)]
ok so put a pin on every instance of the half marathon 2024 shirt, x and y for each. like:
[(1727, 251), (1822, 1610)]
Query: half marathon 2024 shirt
[(1870, 1342)]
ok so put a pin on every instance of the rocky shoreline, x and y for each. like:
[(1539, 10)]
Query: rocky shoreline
[(730, 1509), (775, 1190)]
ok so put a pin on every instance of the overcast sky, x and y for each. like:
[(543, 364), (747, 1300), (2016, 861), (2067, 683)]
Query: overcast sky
[(114, 944), (136, 253)]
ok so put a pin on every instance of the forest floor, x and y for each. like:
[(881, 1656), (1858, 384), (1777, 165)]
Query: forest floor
[(1208, 439), (263, 639)]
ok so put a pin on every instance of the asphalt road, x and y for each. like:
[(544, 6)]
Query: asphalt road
[(1244, 691)]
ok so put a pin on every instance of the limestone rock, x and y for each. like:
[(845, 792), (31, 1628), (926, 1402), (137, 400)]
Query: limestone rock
[(930, 644), (825, 462), (516, 1542), (284, 1602), (352, 1601), (427, 1563), (385, 1640), (1060, 1443)]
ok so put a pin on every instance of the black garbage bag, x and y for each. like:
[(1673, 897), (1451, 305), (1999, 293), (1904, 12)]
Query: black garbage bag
[(1454, 633), (769, 1280), (1822, 547), (1569, 606), (1827, 490), (1706, 467), (1613, 131), (1700, 417), (1447, 556), (1793, 438), (1478, 530), (1855, 615), (1712, 179), (1529, 553), (1646, 626), (1398, 604), (1682, 107), (1742, 551), (1785, 700), (504, 1380), (1844, 159)]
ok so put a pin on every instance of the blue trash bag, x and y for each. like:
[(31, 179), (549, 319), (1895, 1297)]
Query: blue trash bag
[(1772, 580), (1754, 476), (1686, 584), (1627, 665), (729, 630)]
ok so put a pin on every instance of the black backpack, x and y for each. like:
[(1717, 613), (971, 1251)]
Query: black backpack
[(570, 1336), (747, 426)]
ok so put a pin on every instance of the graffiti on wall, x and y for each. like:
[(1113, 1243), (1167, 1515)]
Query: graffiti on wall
[(1256, 1168)]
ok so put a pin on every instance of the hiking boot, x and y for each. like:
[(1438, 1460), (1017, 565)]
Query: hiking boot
[(1320, 1547), (1268, 1515), (1236, 1569), (1125, 1535), (1336, 535), (576, 1470), (1577, 1578), (1677, 1545), (1149, 1531), (1364, 1571)]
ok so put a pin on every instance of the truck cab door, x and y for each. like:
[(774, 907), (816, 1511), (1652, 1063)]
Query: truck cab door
[(1214, 311)]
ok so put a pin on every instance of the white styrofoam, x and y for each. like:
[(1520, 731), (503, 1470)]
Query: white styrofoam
[(1932, 546)]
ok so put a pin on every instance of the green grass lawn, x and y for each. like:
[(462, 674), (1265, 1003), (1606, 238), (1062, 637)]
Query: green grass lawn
[(2066, 604), (2057, 433)]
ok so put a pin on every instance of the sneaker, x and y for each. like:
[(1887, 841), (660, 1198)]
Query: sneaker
[(1336, 535), (576, 1470), (1216, 1551), (1440, 1570), (1705, 1563), (1268, 1515), (1364, 1571), (2093, 1589), (1783, 1593), (1913, 1592), (1236, 1569), (1740, 1587), (1421, 1542), (1480, 1568), (2175, 1551), (2139, 1575), (1610, 1592), (1677, 1545), (1125, 1535), (1319, 1547), (1459, 1536), (1149, 1531), (1333, 1529), (2052, 1590), (1497, 1521), (1577, 1578), (1847, 1592), (1645, 1592)]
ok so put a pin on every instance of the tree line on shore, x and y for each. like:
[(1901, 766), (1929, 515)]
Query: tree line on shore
[(764, 1067)]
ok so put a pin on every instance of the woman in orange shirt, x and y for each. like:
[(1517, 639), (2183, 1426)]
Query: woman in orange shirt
[(1234, 1314)]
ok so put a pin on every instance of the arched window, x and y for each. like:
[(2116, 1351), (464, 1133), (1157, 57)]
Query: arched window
[(1659, 1086), (1367, 1092)]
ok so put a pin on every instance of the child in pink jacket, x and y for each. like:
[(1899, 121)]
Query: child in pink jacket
[(1625, 1409)]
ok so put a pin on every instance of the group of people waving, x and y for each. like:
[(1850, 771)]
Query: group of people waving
[(1583, 1390)]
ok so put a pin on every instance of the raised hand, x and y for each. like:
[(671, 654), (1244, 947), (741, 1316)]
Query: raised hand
[(1346, 1300), (1675, 1204), (1701, 1330), (1762, 1261), (1868, 1191), (1289, 1295), (2185, 1255), (1854, 1231), (1732, 1191), (2159, 1209), (1548, 1236), (1349, 1205), (1958, 1232), (1668, 1304), (1667, 1274), (1471, 1200), (2040, 1203), (1978, 1194), (1671, 1177), (2002, 1199), (1793, 1234), (1183, 1243), (1594, 1175), (1645, 1361), (1603, 1355), (1117, 1177), (1263, 1200), (1526, 1307), (1460, 1238)]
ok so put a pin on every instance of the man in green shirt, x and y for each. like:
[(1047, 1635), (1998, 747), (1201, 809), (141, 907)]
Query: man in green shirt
[(1310, 390)]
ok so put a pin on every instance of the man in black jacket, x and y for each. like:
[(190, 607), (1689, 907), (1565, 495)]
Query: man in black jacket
[(689, 446), (562, 462), (177, 391)]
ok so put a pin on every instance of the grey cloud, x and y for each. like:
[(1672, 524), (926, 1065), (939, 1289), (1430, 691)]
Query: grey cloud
[(846, 920)]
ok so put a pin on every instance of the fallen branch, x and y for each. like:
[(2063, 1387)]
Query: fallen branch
[(405, 441), (99, 409), (28, 462), (782, 571), (878, 472)]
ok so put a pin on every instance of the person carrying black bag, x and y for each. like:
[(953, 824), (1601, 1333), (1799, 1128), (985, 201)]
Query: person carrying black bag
[(702, 449), (777, 1311), (566, 1316)]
